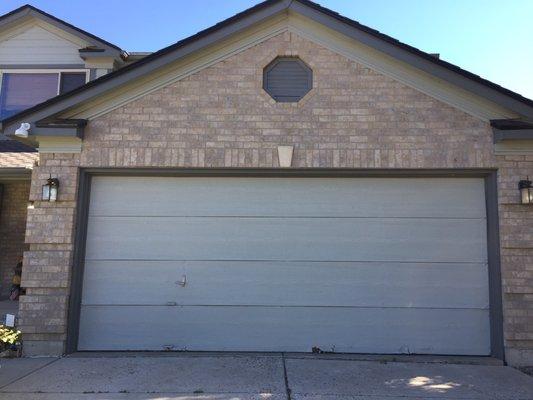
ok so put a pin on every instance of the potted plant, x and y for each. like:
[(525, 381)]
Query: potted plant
[(10, 342)]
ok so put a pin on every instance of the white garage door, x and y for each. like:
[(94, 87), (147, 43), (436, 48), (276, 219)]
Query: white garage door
[(369, 265)]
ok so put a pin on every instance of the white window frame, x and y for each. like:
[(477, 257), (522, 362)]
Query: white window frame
[(44, 71)]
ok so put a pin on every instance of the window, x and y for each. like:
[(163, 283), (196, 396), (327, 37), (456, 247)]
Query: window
[(287, 79), (71, 81), (23, 89)]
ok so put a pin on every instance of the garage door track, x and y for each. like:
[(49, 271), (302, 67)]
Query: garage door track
[(261, 377)]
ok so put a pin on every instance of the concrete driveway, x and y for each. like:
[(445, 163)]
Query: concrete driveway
[(258, 377)]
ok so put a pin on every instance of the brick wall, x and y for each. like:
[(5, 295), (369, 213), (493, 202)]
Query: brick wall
[(221, 117), (516, 237), (12, 228)]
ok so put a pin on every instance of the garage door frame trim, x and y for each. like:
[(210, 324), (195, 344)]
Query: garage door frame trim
[(491, 204)]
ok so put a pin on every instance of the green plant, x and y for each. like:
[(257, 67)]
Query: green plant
[(9, 336)]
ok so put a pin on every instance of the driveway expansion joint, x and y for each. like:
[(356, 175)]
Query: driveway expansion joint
[(29, 373)]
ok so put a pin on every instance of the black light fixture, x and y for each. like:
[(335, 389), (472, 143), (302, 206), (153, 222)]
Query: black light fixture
[(526, 191), (50, 189)]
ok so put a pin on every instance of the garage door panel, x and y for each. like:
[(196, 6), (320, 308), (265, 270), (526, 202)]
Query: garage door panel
[(379, 265), (288, 197), (376, 284), (314, 239), (285, 329)]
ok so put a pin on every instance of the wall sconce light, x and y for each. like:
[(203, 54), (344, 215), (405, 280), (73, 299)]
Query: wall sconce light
[(526, 191), (50, 189)]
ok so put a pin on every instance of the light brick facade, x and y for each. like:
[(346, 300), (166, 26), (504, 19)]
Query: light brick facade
[(221, 117)]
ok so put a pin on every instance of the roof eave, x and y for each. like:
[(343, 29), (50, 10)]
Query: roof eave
[(101, 52), (58, 128), (511, 129)]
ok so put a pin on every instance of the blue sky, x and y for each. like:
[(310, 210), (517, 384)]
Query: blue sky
[(492, 38)]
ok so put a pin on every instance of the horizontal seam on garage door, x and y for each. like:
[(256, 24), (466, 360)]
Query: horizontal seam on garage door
[(274, 217), (283, 306), (287, 261)]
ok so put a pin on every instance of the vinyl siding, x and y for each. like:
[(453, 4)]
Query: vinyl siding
[(37, 45)]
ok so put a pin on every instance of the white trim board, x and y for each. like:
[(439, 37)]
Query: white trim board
[(513, 147), (29, 22), (397, 70)]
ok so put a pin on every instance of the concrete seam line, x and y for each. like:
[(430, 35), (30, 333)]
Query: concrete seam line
[(29, 373), (285, 377)]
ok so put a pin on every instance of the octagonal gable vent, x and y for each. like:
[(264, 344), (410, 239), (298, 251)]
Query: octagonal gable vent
[(287, 79)]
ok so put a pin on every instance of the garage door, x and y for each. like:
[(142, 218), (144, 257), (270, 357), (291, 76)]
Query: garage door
[(367, 265)]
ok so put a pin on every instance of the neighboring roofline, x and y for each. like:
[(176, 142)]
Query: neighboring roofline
[(28, 9), (419, 59)]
